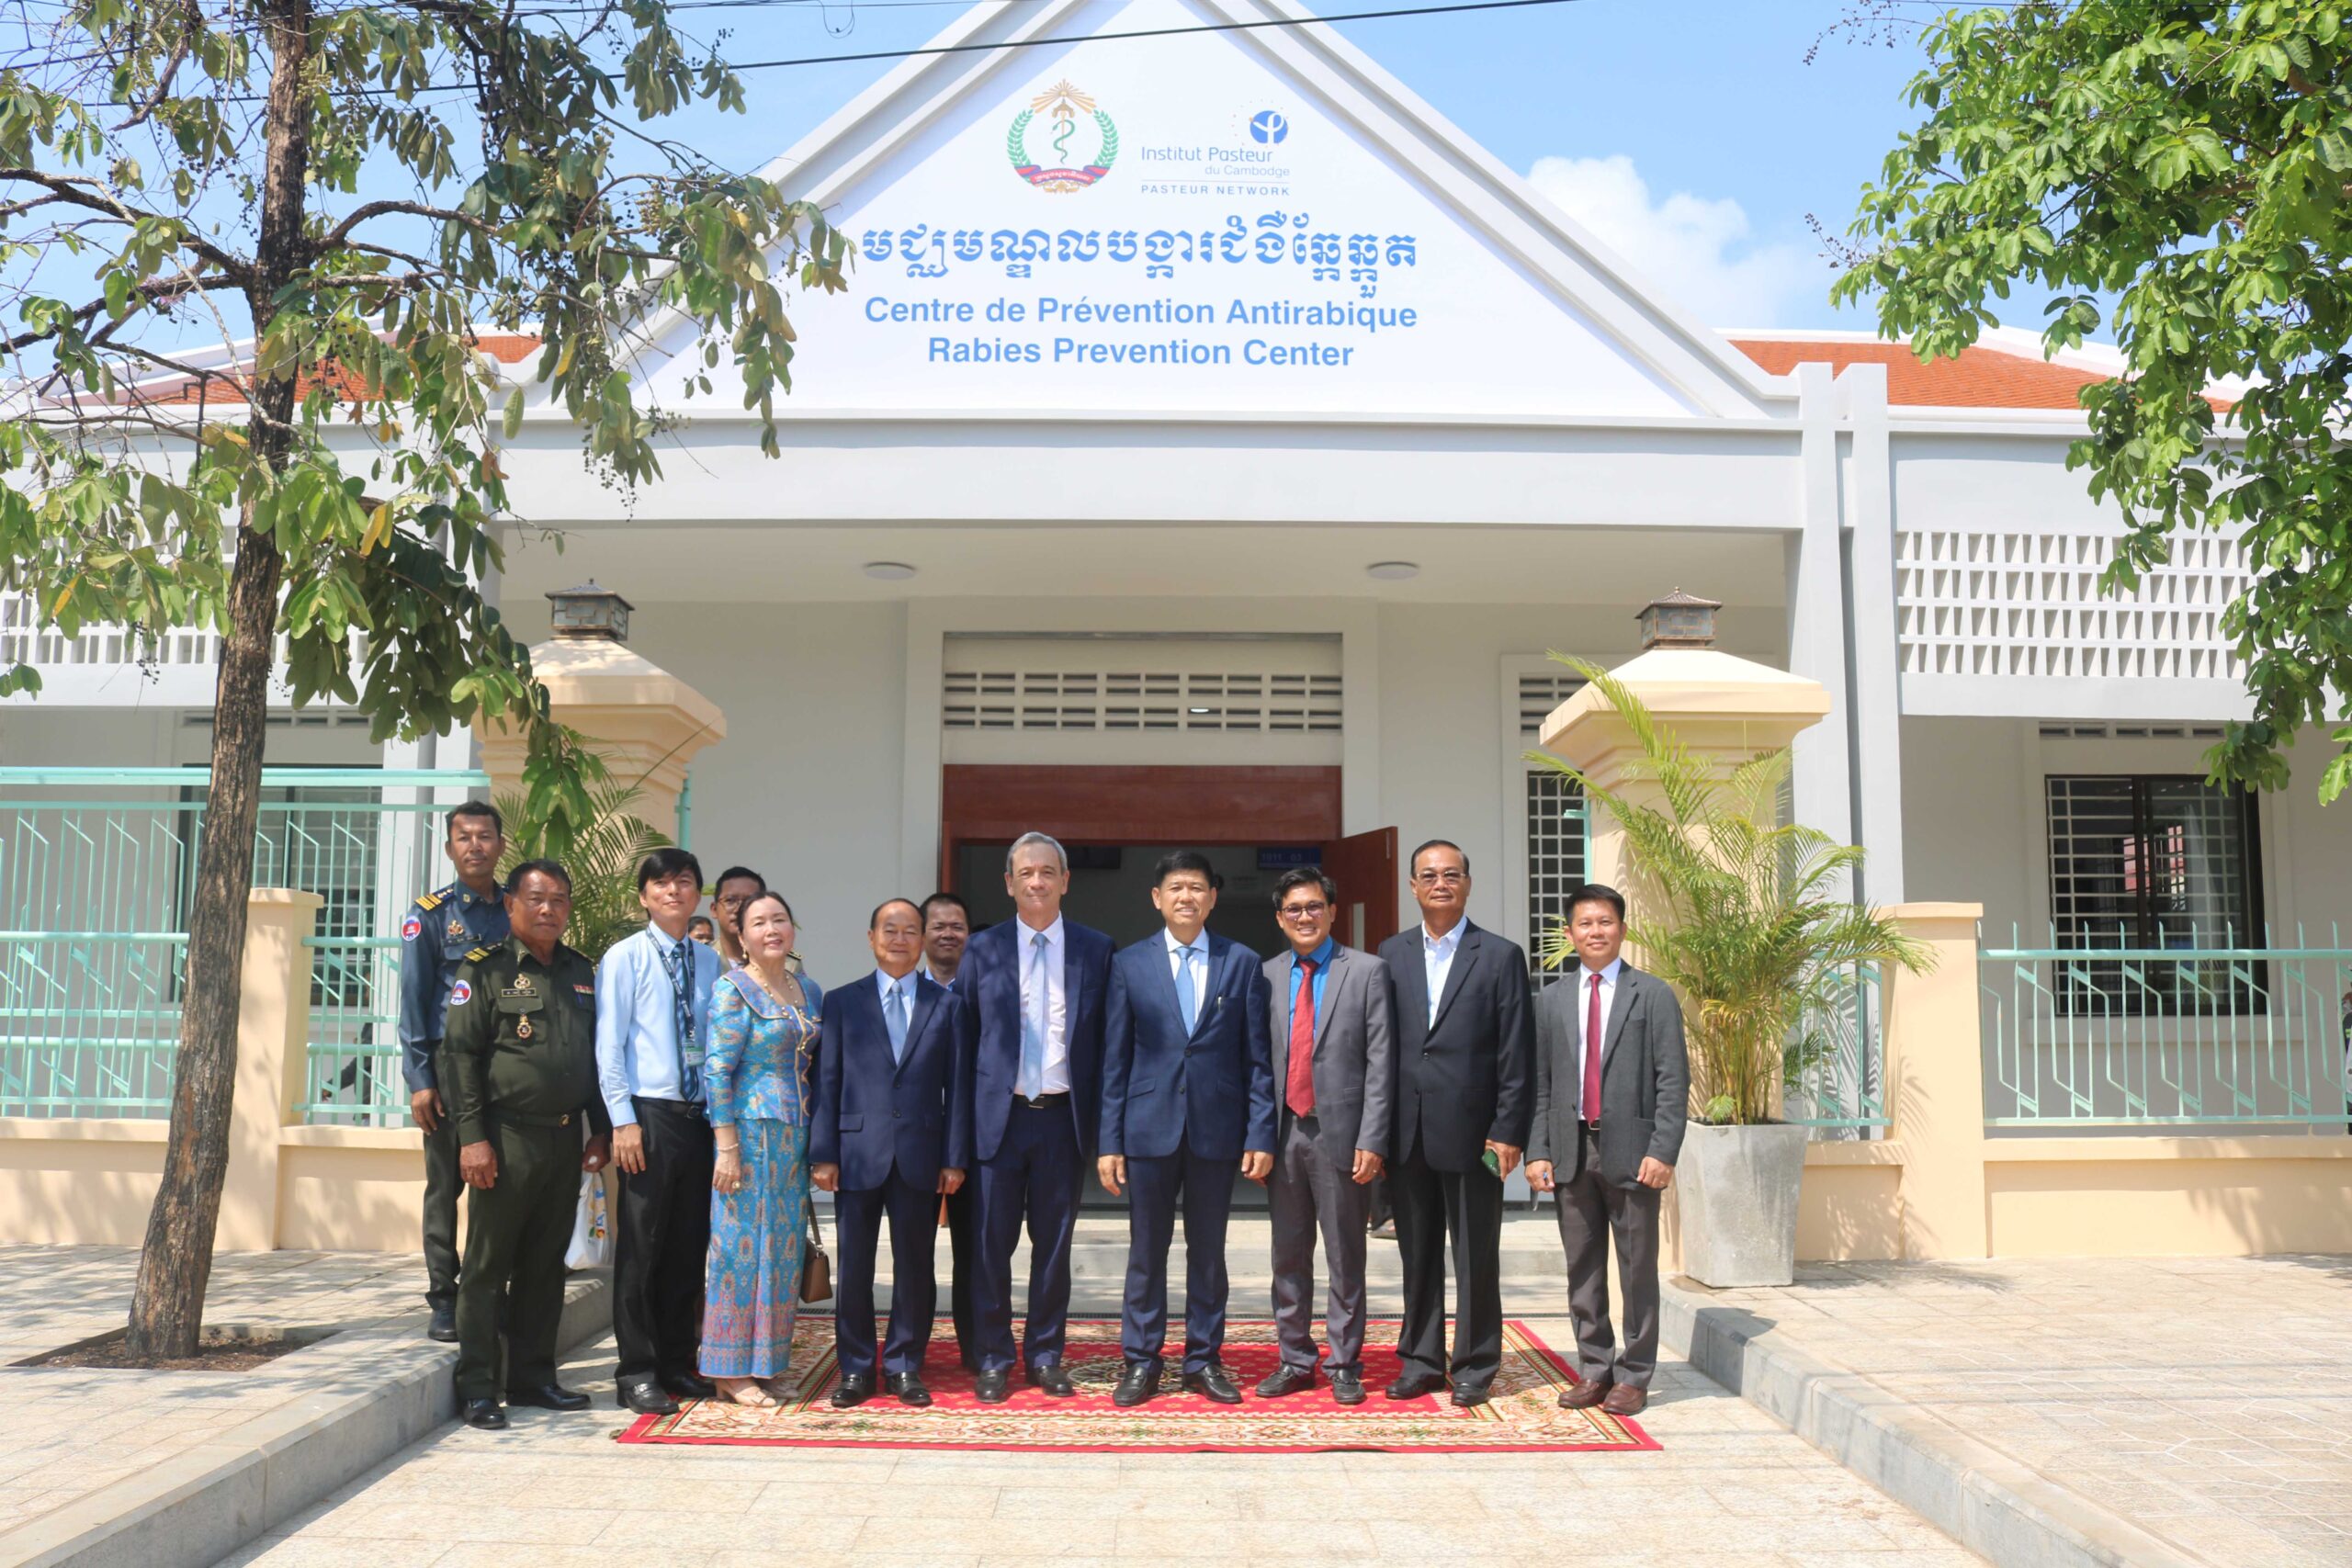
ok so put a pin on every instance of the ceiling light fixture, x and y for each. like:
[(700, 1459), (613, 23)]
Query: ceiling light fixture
[(1393, 570), (888, 570)]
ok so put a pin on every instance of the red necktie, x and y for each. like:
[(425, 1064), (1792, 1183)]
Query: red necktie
[(1592, 1054), (1299, 1093)]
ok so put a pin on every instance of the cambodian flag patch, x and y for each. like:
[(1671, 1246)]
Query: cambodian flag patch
[(410, 927), (461, 993)]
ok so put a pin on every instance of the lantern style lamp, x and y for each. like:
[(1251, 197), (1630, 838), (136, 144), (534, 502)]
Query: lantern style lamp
[(1679, 620), (590, 613)]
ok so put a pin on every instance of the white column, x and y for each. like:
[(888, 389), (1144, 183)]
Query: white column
[(1878, 653), (1823, 785)]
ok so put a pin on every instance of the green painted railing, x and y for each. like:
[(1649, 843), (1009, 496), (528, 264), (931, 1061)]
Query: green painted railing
[(1837, 1059), (2219, 1038), (96, 874)]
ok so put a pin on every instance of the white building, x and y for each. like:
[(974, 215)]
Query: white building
[(1236, 416)]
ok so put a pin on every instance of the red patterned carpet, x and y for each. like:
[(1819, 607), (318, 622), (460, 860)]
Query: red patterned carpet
[(1523, 1417)]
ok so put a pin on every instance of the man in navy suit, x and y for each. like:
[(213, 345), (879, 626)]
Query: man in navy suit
[(1188, 1098), (892, 1133), (1036, 984)]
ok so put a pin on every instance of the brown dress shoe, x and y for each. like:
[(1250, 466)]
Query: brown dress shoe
[(1585, 1395), (1625, 1399)]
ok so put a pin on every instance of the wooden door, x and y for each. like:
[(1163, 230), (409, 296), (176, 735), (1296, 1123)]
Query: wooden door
[(1364, 865)]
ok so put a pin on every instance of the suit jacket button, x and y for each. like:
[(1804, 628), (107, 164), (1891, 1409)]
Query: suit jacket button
[(894, 1116)]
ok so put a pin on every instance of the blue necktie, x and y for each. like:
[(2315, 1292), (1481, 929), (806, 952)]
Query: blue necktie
[(1184, 1000), (1034, 1006), (679, 962), (894, 1015)]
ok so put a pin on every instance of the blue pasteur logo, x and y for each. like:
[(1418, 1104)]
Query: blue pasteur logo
[(1268, 125)]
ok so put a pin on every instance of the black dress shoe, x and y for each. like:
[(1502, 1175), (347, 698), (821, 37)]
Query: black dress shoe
[(1137, 1383), (971, 1361), (548, 1396), (1469, 1395), (443, 1326), (1213, 1383), (689, 1385), (1347, 1388), (1051, 1377), (1413, 1385), (1285, 1381), (992, 1386), (645, 1397), (852, 1392), (907, 1388), (484, 1414)]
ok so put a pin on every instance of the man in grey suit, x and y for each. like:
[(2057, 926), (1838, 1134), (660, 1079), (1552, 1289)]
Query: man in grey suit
[(1335, 1084), (1607, 1130)]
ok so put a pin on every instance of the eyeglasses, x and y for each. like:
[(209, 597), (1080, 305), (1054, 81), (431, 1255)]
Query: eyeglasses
[(1447, 878), (1304, 911)]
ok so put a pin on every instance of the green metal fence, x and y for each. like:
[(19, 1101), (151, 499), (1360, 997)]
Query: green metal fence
[(1837, 1060), (96, 876), (2225, 1039)]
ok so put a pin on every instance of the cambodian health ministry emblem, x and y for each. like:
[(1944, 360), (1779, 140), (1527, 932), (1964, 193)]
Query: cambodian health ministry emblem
[(1061, 141)]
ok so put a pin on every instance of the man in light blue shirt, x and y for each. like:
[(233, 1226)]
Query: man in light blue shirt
[(652, 1021)]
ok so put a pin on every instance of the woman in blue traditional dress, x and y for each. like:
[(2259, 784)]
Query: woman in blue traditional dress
[(758, 1068)]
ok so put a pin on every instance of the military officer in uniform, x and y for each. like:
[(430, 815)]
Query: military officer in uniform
[(437, 933), (520, 1065)]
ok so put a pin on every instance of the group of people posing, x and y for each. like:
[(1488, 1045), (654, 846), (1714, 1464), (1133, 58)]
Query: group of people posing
[(979, 1080)]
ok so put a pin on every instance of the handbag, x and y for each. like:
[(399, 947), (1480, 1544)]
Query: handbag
[(592, 1227), (815, 1268)]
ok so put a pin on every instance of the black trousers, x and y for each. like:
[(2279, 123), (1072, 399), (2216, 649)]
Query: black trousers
[(913, 1212), (662, 1243), (442, 1185), (964, 1260), (1466, 1207)]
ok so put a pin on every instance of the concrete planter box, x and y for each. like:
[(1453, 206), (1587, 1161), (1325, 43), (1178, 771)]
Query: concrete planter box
[(1738, 1187)]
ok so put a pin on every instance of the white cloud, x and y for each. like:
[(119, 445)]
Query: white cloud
[(1696, 251)]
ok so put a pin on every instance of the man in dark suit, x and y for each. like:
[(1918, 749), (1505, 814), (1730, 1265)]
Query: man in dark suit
[(1607, 1130), (947, 928), (1038, 985), (1465, 1093), (1188, 1096), (891, 1134), (1335, 1085)]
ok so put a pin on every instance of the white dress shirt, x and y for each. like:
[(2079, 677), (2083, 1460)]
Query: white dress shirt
[(637, 1018), (1057, 1004), (1609, 978), (1199, 968), (1437, 961)]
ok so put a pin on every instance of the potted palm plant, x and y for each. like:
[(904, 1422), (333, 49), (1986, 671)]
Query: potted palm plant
[(1751, 919), (600, 850)]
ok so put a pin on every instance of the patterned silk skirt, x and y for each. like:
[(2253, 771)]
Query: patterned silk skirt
[(752, 1291)]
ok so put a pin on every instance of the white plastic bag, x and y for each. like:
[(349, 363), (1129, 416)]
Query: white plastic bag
[(592, 1227)]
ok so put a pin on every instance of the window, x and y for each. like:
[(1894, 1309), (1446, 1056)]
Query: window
[(1555, 830), (2163, 862)]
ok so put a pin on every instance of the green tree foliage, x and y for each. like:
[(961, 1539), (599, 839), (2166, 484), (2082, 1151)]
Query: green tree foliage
[(2192, 162), (601, 855), (1747, 917), (216, 165)]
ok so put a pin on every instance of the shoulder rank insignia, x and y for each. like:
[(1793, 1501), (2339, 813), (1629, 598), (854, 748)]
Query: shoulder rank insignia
[(430, 901), (479, 954)]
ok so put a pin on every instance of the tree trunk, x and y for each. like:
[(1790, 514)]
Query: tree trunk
[(168, 1303)]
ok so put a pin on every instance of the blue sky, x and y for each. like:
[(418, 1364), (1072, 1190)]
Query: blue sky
[(1691, 134)]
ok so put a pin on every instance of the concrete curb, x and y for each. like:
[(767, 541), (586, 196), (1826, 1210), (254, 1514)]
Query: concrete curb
[(375, 1387), (2013, 1515)]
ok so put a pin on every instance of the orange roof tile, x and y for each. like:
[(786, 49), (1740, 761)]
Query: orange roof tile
[(1980, 377), (505, 347)]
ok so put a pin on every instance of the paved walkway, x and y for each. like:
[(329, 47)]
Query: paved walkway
[(1729, 1489), (2206, 1401), (75, 1430)]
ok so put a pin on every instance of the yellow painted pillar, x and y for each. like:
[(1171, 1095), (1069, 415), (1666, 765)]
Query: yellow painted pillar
[(273, 1047), (645, 722), (1934, 1084)]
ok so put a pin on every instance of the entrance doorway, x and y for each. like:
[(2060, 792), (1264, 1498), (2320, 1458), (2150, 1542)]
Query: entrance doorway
[(1252, 822)]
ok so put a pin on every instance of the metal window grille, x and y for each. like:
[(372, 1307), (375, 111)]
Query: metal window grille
[(2154, 865), (1263, 702), (1555, 857), (1539, 695)]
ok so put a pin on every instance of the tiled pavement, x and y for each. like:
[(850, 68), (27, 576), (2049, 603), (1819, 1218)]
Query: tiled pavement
[(1728, 1490), (72, 1431), (2207, 1401)]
